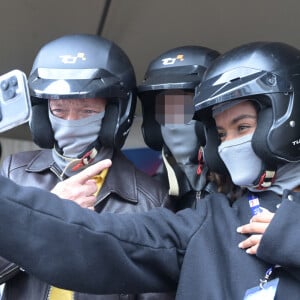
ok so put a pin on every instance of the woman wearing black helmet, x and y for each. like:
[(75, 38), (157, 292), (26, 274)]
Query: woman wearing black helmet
[(83, 92), (249, 103)]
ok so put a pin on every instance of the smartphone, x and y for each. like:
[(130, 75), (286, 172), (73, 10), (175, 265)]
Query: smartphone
[(15, 106)]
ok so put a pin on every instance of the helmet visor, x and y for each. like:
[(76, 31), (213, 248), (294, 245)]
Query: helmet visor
[(73, 83), (174, 107), (185, 77), (238, 83)]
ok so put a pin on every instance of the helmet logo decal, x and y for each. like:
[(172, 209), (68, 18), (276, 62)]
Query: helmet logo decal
[(70, 59), (172, 60), (296, 142)]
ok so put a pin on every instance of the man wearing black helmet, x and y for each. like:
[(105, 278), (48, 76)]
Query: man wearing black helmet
[(249, 104), (83, 95), (166, 95)]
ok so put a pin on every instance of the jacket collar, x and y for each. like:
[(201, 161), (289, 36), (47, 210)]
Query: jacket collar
[(41, 162), (120, 180)]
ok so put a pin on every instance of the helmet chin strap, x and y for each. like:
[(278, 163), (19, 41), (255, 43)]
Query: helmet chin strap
[(178, 183), (265, 180), (93, 153), (77, 164), (88, 156), (86, 159), (83, 159)]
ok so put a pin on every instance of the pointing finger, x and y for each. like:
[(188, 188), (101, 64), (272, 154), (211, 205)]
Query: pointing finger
[(91, 171)]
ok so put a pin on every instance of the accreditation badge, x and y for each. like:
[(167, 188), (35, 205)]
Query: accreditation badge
[(266, 291)]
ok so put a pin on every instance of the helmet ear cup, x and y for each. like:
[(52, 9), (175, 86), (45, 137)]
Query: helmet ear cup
[(150, 127), (260, 137), (108, 127), (153, 140), (117, 121), (200, 133), (210, 151), (40, 127)]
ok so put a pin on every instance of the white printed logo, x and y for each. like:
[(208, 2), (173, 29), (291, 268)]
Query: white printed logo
[(172, 60), (296, 142), (70, 59)]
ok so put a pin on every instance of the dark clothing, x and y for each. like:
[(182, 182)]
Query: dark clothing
[(195, 250), (187, 196), (125, 190)]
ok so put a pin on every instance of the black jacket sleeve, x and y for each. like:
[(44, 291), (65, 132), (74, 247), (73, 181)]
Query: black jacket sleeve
[(7, 268), (78, 249), (280, 243)]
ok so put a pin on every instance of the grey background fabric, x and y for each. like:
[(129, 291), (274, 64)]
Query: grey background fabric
[(143, 28)]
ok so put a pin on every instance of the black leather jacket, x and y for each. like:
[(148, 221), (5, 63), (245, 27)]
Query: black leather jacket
[(126, 189)]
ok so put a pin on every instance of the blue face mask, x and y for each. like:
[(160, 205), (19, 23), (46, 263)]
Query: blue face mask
[(241, 161)]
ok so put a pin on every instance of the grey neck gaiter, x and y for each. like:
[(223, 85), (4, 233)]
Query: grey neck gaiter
[(66, 164), (74, 136), (182, 141)]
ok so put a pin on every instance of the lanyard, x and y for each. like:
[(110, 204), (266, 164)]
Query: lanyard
[(254, 204), (266, 278), (255, 209)]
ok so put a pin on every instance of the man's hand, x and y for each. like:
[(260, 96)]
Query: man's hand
[(257, 226), (81, 187)]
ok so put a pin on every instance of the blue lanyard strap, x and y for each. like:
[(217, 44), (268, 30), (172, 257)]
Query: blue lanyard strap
[(254, 204), (266, 278)]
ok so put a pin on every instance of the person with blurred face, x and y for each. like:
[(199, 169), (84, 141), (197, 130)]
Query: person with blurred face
[(166, 95)]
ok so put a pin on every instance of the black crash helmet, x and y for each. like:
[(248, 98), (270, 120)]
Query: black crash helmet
[(181, 68), (268, 72), (83, 66)]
